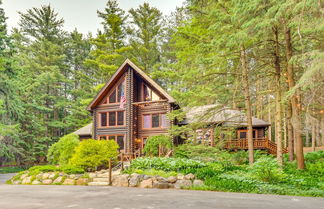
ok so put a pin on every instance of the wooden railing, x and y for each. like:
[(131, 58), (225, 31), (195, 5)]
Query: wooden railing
[(258, 143)]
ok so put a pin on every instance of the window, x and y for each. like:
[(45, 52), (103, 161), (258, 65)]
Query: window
[(242, 135), (119, 139), (154, 121), (149, 95), (108, 119), (116, 94), (120, 142)]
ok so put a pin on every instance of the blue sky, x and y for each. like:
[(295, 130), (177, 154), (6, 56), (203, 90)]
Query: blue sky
[(80, 14)]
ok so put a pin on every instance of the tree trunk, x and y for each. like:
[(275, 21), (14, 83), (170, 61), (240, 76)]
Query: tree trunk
[(294, 103), (290, 133), (246, 86), (278, 99), (322, 129), (313, 135), (269, 118)]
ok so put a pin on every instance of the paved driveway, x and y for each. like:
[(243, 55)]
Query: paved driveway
[(5, 177), (87, 197)]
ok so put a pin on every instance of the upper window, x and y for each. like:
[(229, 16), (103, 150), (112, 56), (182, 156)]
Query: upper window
[(112, 118), (154, 121), (116, 94), (148, 94)]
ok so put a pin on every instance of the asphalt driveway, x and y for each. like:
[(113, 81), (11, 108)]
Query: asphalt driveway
[(5, 177), (87, 197)]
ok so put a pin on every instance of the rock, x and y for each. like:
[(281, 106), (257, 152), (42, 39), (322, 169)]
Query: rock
[(171, 186), (147, 183), (23, 176), (36, 182), (98, 184), (189, 176), (161, 179), (182, 184), (39, 176), (121, 180), (47, 181), (198, 182), (51, 175), (92, 175), (16, 182), (26, 180), (45, 176), (180, 176), (58, 180), (103, 175), (115, 173), (134, 180), (68, 182), (172, 179), (145, 177), (72, 176), (160, 185), (100, 180), (82, 181)]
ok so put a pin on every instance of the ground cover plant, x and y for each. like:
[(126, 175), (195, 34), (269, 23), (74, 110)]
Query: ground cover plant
[(224, 172), (14, 169)]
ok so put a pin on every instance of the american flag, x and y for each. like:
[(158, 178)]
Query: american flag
[(122, 100)]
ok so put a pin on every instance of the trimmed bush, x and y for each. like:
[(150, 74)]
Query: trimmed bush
[(90, 153), (62, 151)]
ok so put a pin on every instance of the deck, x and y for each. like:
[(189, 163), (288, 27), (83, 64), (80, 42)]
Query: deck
[(259, 143)]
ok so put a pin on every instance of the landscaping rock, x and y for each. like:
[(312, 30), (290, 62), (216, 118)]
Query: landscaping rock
[(36, 182), (51, 175), (23, 176), (16, 182), (134, 180), (198, 182), (82, 181), (161, 179), (160, 185), (103, 175), (72, 176), (172, 179), (182, 184), (98, 184), (180, 176), (145, 177), (121, 180), (47, 181), (69, 182), (39, 176), (147, 183), (100, 180), (26, 180), (189, 176), (115, 173), (92, 175), (58, 180), (45, 176)]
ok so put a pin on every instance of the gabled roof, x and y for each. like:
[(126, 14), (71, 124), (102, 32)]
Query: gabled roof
[(220, 115), (118, 73), (84, 131)]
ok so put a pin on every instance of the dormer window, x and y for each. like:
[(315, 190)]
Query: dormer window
[(149, 94)]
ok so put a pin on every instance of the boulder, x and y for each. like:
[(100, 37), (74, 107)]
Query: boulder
[(145, 177), (103, 175), (189, 176), (115, 173), (198, 182), (26, 180), (72, 176), (45, 176), (121, 180), (82, 181), (58, 180), (69, 182), (51, 175), (36, 182), (39, 176), (147, 183), (98, 184), (16, 182), (92, 175), (23, 176), (172, 179), (161, 179), (135, 180), (180, 176), (100, 180), (160, 185), (47, 181), (182, 184)]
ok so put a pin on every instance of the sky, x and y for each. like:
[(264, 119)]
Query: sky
[(80, 14)]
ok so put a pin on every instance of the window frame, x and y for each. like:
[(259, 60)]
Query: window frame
[(107, 118), (151, 93), (160, 121), (115, 89)]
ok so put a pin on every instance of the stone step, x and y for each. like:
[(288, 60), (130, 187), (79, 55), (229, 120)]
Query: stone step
[(100, 180), (98, 184)]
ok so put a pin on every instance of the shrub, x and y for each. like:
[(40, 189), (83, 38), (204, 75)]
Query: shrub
[(42, 168), (152, 172), (70, 169), (62, 151), (196, 152), (267, 170), (158, 145), (90, 154)]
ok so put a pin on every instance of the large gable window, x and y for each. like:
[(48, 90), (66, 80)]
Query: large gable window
[(111, 119), (154, 121), (149, 94), (117, 93)]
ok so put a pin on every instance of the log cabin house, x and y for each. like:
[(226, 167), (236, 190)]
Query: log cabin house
[(131, 107)]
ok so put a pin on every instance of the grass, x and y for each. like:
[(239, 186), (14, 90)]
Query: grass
[(11, 170)]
